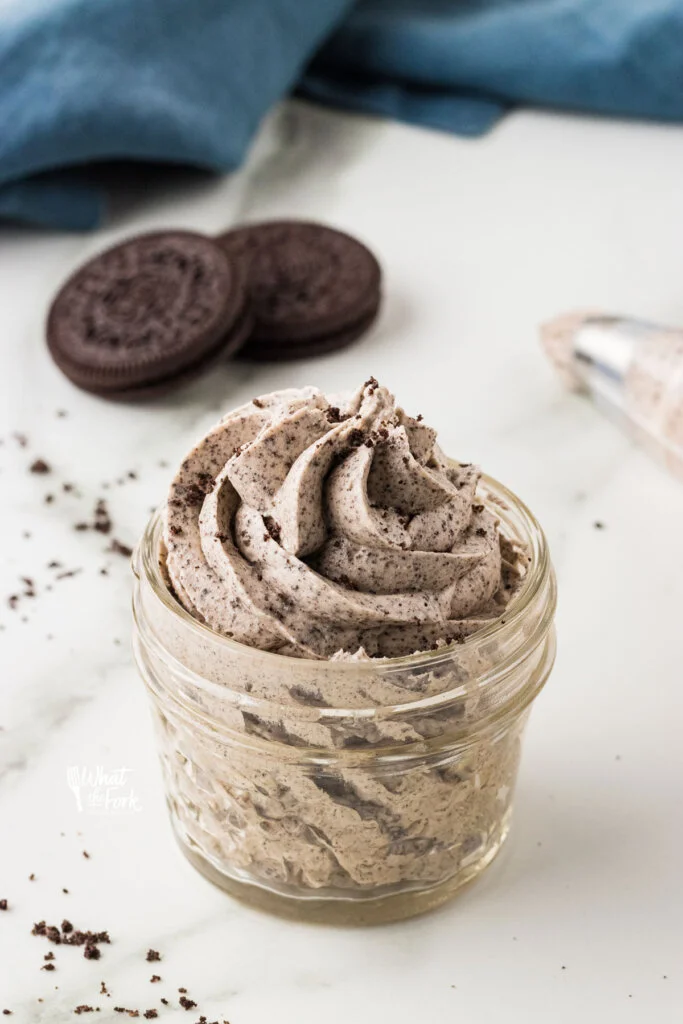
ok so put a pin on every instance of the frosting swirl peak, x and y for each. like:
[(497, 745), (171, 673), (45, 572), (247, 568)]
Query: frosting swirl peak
[(318, 528)]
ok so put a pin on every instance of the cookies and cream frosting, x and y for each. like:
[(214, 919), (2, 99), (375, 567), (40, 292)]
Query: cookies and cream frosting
[(319, 528)]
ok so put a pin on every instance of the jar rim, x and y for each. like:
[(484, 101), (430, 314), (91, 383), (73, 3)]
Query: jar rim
[(539, 576)]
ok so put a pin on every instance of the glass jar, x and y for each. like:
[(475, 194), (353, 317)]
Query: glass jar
[(372, 807)]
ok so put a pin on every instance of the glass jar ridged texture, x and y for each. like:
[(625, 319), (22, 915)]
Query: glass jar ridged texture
[(352, 791)]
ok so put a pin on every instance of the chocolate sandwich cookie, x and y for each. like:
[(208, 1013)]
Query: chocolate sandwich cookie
[(312, 289), (148, 312)]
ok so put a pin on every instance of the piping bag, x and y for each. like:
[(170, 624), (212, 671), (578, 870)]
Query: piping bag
[(633, 371)]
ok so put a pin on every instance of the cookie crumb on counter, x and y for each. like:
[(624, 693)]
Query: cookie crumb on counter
[(120, 549)]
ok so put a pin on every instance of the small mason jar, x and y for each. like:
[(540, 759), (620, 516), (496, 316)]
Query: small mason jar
[(347, 791)]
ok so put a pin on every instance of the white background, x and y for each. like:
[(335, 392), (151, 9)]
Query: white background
[(581, 916)]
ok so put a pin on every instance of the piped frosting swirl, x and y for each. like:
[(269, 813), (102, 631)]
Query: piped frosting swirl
[(317, 529)]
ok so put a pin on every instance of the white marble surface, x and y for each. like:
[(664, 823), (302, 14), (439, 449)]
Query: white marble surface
[(580, 918)]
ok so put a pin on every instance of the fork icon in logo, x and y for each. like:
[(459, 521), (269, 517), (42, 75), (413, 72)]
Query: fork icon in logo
[(74, 781)]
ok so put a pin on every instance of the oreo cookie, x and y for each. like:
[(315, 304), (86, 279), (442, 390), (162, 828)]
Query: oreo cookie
[(148, 312), (312, 289)]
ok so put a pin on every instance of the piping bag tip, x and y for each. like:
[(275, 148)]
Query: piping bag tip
[(557, 337)]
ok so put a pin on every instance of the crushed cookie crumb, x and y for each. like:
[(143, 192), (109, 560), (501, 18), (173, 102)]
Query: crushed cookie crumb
[(273, 528), (120, 549), (152, 956), (102, 523), (40, 466)]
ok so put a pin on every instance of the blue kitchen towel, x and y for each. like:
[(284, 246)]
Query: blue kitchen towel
[(458, 65), (179, 81), (188, 81)]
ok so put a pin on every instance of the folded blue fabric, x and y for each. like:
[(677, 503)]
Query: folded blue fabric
[(180, 81), (458, 64), (186, 82)]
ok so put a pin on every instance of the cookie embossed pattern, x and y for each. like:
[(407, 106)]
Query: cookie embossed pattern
[(158, 309), (312, 289), (342, 632), (147, 311)]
